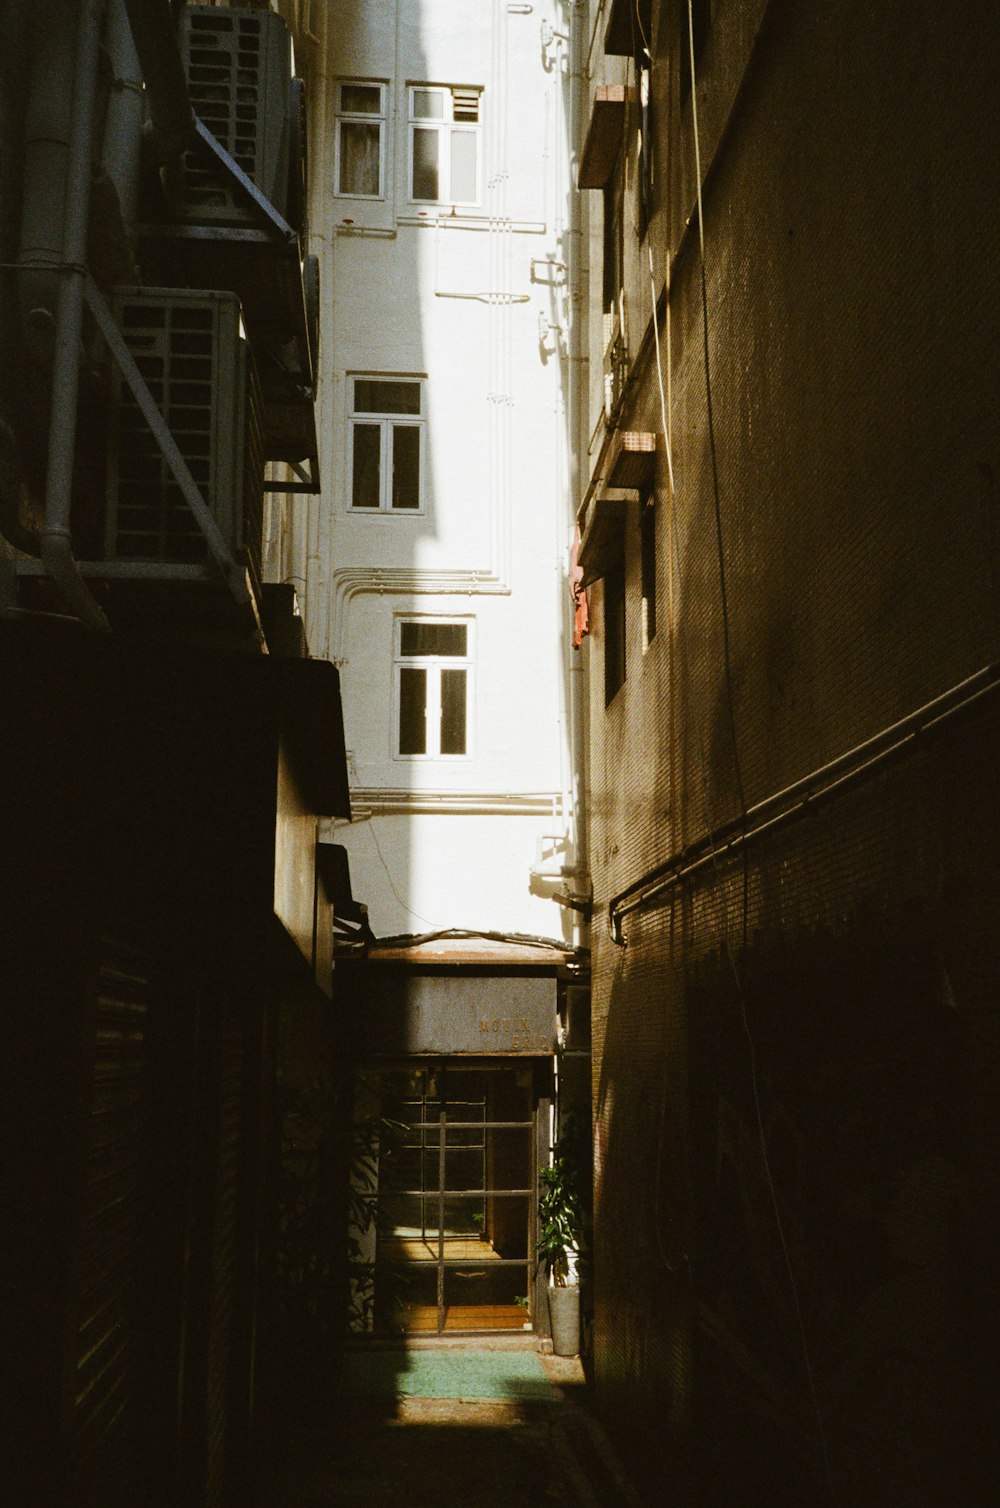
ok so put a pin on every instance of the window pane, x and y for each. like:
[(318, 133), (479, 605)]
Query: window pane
[(463, 165), (371, 397), (360, 99), (365, 475), (412, 711), (359, 158), (473, 1288), (614, 632), (453, 712), (428, 104), (425, 164), (648, 524), (405, 466), (433, 638)]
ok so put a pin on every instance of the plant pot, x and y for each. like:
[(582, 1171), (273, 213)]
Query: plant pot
[(564, 1316)]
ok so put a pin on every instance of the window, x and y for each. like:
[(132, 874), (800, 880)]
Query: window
[(644, 153), (360, 135), (647, 540), (444, 144), (614, 631), (386, 444), (432, 674)]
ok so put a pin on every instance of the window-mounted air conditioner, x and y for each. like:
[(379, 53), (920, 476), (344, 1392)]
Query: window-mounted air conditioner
[(239, 70), (192, 353)]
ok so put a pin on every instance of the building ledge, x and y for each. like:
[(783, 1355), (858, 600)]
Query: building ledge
[(629, 28), (604, 136)]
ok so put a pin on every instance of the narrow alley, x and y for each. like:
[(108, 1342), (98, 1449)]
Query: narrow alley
[(479, 1422), (499, 711)]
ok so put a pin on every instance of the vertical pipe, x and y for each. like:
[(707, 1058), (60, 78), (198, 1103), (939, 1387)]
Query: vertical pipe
[(56, 540), (576, 277), (47, 132), (123, 131)]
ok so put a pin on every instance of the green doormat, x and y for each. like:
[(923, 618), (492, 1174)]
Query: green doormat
[(512, 1375)]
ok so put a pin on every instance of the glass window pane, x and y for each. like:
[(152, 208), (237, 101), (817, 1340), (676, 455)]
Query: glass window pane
[(412, 711), (399, 1216), (405, 1297), (463, 166), (425, 164), (453, 712), (361, 99), (471, 1287), (428, 104), (359, 158), (465, 1168), (372, 396), (433, 639), (505, 1152), (365, 480), (405, 466), (466, 1086)]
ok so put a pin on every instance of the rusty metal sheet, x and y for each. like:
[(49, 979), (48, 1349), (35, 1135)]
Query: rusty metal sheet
[(402, 1013)]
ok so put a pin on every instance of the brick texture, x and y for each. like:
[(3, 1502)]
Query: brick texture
[(851, 228)]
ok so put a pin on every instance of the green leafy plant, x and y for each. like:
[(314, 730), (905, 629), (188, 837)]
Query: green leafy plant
[(372, 1137), (561, 1222)]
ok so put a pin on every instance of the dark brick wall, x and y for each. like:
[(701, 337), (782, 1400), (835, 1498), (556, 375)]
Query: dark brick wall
[(851, 225)]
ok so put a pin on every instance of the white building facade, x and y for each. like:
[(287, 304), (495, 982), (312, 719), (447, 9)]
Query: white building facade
[(433, 565), (433, 570)]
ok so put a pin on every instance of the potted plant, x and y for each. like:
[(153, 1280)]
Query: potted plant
[(561, 1236)]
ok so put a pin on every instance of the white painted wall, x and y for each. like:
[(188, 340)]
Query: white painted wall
[(454, 294)]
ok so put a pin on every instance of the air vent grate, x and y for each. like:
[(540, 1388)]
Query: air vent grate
[(465, 105), (239, 71), (191, 351), (174, 349)]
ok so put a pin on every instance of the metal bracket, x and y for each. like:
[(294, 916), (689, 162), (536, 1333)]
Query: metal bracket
[(248, 186), (308, 481)]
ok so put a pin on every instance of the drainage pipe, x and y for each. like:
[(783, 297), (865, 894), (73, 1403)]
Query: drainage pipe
[(47, 131), (576, 401), (56, 540), (123, 128), (154, 31), (802, 797)]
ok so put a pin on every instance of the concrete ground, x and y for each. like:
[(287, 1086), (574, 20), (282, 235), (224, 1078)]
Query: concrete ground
[(415, 1452)]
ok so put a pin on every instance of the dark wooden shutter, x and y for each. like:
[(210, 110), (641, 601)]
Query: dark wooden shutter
[(226, 1302), (115, 1087)]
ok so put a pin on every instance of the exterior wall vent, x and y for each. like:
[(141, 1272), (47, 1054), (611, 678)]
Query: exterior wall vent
[(465, 105), (192, 353)]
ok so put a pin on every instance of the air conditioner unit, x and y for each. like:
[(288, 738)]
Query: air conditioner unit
[(191, 350), (239, 66)]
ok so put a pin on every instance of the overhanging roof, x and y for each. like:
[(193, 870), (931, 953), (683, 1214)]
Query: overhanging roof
[(604, 136), (629, 27), (602, 542)]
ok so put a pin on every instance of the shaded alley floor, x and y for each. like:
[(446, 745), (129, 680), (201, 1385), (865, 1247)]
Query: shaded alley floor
[(516, 1432)]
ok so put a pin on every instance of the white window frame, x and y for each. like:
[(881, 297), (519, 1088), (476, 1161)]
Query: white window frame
[(433, 665), (360, 117), (387, 422), (445, 127)]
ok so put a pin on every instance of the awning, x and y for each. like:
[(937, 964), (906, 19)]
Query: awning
[(604, 136), (625, 471), (629, 28), (603, 539)]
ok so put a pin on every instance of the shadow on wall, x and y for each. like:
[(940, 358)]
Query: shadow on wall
[(861, 1069)]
